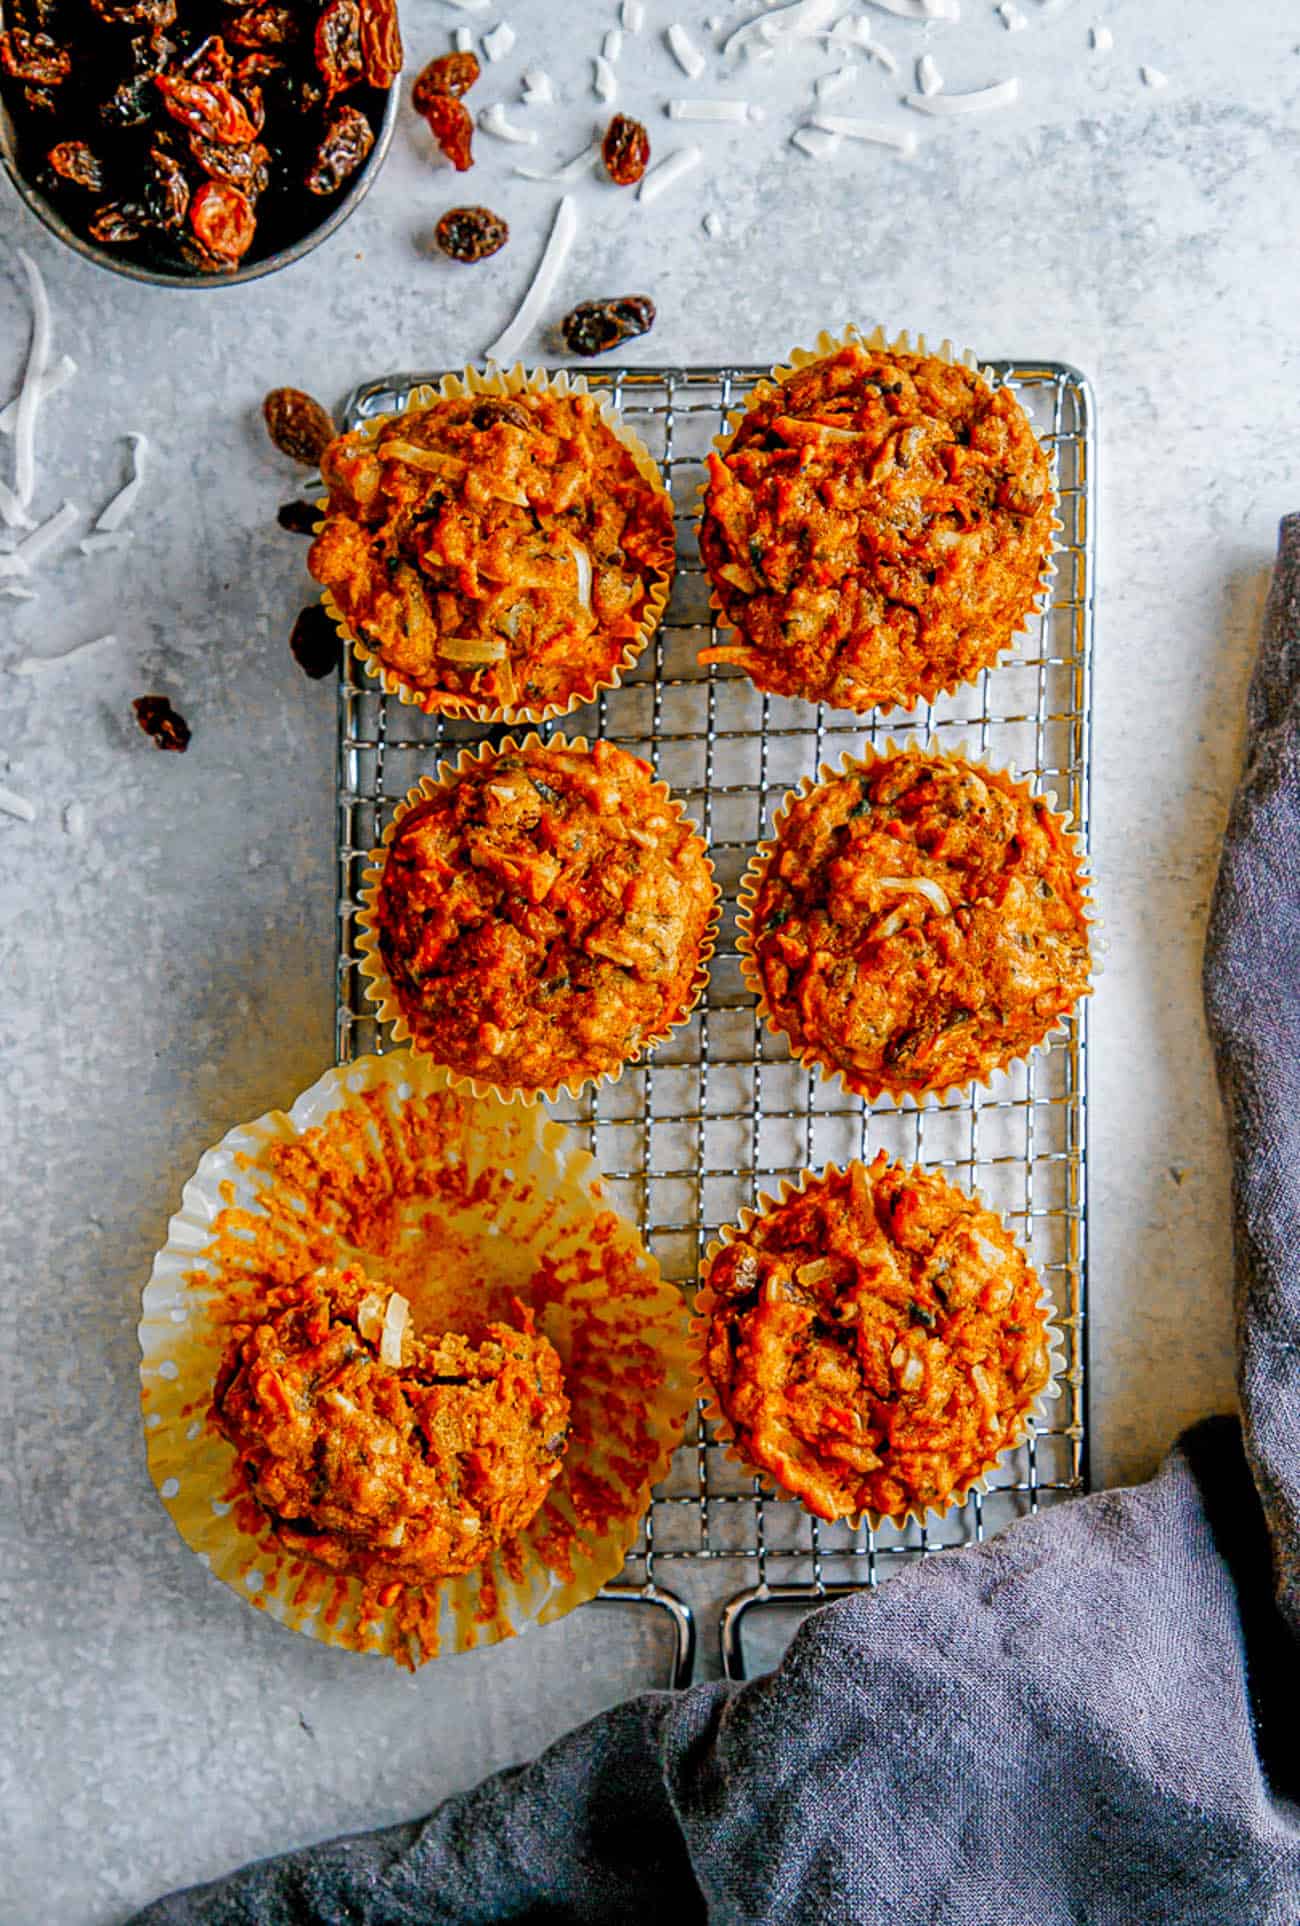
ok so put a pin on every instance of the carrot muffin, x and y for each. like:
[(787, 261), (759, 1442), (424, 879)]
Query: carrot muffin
[(876, 529), (498, 554), (381, 1454), (916, 922), (875, 1342), (543, 914)]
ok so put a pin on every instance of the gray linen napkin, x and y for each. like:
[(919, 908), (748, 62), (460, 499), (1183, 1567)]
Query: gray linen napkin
[(1093, 1719)]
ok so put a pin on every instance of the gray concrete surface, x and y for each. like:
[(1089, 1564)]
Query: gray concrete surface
[(166, 922)]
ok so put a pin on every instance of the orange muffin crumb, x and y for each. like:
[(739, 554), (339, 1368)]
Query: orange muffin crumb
[(876, 529), (919, 921), (875, 1342), (380, 1454), (542, 915), (494, 552)]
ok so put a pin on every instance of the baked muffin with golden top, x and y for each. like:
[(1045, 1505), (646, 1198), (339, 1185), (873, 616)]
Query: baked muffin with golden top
[(875, 529), (916, 922), (874, 1342)]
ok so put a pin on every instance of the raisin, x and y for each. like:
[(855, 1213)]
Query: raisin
[(248, 168), (452, 74), (223, 222), (34, 57), (207, 109), (381, 43), (129, 104), (155, 14), (298, 425), (625, 150), (346, 144), (39, 100), (452, 128), (471, 233), (262, 27), (314, 643), (74, 162), (338, 47), (490, 412), (210, 62), (593, 327), (166, 189), (117, 223), (257, 68), (298, 518), (161, 723)]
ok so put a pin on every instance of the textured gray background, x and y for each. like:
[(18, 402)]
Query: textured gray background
[(167, 971)]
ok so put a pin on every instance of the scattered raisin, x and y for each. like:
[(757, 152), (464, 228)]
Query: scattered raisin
[(117, 223), (34, 57), (338, 47), (381, 42), (246, 167), (625, 150), (74, 162), (471, 233), (166, 189), (593, 327), (298, 425), (314, 643), (347, 142), (207, 108), (451, 126), (262, 27), (161, 724), (298, 518), (223, 222), (450, 74)]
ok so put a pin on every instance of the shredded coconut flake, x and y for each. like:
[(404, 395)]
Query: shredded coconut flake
[(826, 86), (1151, 77), (396, 1318), (582, 569), (463, 40), (716, 110), (29, 398), (39, 664), (12, 512), (604, 80), (1011, 17), (549, 268), (470, 6), (668, 173), (16, 805), (816, 142), (801, 20), (496, 121), (567, 171), (854, 128), (1102, 40), (18, 591), (124, 501), (51, 381), (921, 9), (633, 15), (29, 552), (712, 224), (105, 544), (981, 101), (928, 77), (538, 91), (612, 45), (918, 886), (497, 44), (684, 51)]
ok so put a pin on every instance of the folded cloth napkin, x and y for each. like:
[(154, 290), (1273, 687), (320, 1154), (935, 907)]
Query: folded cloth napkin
[(1094, 1718)]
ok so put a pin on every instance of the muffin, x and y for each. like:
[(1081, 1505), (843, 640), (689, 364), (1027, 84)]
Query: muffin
[(539, 916), (501, 555), (917, 922), (874, 1342), (380, 1453), (875, 529)]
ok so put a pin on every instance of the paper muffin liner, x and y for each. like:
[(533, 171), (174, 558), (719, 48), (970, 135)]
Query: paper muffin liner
[(464, 1205), (1034, 1415), (378, 985), (506, 383), (935, 685), (868, 1087)]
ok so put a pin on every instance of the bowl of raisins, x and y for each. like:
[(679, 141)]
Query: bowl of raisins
[(196, 143)]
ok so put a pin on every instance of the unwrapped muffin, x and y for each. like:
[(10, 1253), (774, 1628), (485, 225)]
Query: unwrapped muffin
[(916, 922), (379, 1453), (876, 527), (499, 550), (874, 1342), (539, 916)]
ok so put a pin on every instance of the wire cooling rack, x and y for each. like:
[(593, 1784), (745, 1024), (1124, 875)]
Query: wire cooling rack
[(720, 1112)]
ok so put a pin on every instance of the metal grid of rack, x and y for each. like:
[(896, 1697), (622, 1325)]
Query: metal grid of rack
[(720, 1112)]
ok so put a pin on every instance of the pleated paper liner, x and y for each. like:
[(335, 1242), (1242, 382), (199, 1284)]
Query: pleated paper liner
[(379, 988), (807, 1052), (453, 705), (1034, 1414), (463, 1205), (929, 687)]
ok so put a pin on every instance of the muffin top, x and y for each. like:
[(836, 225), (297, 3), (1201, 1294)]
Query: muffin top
[(875, 1341), (542, 915), (495, 553), (876, 529), (920, 921), (381, 1454)]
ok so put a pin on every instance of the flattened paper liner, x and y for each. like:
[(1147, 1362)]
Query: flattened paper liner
[(808, 1054), (462, 1204), (379, 988), (513, 381), (1035, 1414), (877, 341)]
